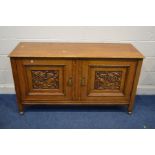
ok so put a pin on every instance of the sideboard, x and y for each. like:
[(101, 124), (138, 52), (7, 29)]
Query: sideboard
[(75, 73)]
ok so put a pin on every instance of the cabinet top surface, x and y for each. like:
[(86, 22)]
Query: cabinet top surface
[(75, 50)]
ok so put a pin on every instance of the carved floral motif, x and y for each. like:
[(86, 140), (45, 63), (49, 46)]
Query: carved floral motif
[(107, 80), (45, 79)]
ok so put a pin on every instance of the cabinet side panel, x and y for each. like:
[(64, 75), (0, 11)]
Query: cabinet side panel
[(135, 83), (16, 83)]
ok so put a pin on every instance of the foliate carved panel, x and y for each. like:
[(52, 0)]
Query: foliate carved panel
[(45, 79), (107, 80)]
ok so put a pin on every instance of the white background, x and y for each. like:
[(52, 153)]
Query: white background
[(77, 13), (77, 142)]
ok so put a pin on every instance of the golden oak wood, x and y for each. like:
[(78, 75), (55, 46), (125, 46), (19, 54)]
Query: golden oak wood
[(16, 81), (134, 85), (75, 50), (126, 67), (76, 73), (44, 68)]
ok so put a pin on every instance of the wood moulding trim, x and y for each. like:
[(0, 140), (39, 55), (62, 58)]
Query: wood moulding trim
[(72, 103), (108, 66)]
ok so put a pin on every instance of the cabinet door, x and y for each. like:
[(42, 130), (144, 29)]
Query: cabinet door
[(45, 79), (107, 80)]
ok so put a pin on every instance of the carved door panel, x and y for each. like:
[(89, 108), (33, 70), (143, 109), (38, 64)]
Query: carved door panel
[(107, 80), (45, 79)]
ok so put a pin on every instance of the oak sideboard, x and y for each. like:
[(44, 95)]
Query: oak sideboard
[(75, 73)]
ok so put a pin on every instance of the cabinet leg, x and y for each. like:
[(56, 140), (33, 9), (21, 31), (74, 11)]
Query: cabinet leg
[(21, 109), (130, 109)]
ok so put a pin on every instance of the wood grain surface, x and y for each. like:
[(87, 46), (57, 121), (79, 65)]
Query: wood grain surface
[(75, 50)]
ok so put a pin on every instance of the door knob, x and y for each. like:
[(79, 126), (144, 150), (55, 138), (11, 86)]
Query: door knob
[(70, 82), (83, 81), (31, 61)]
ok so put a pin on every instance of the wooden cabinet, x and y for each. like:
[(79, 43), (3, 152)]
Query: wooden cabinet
[(75, 73)]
